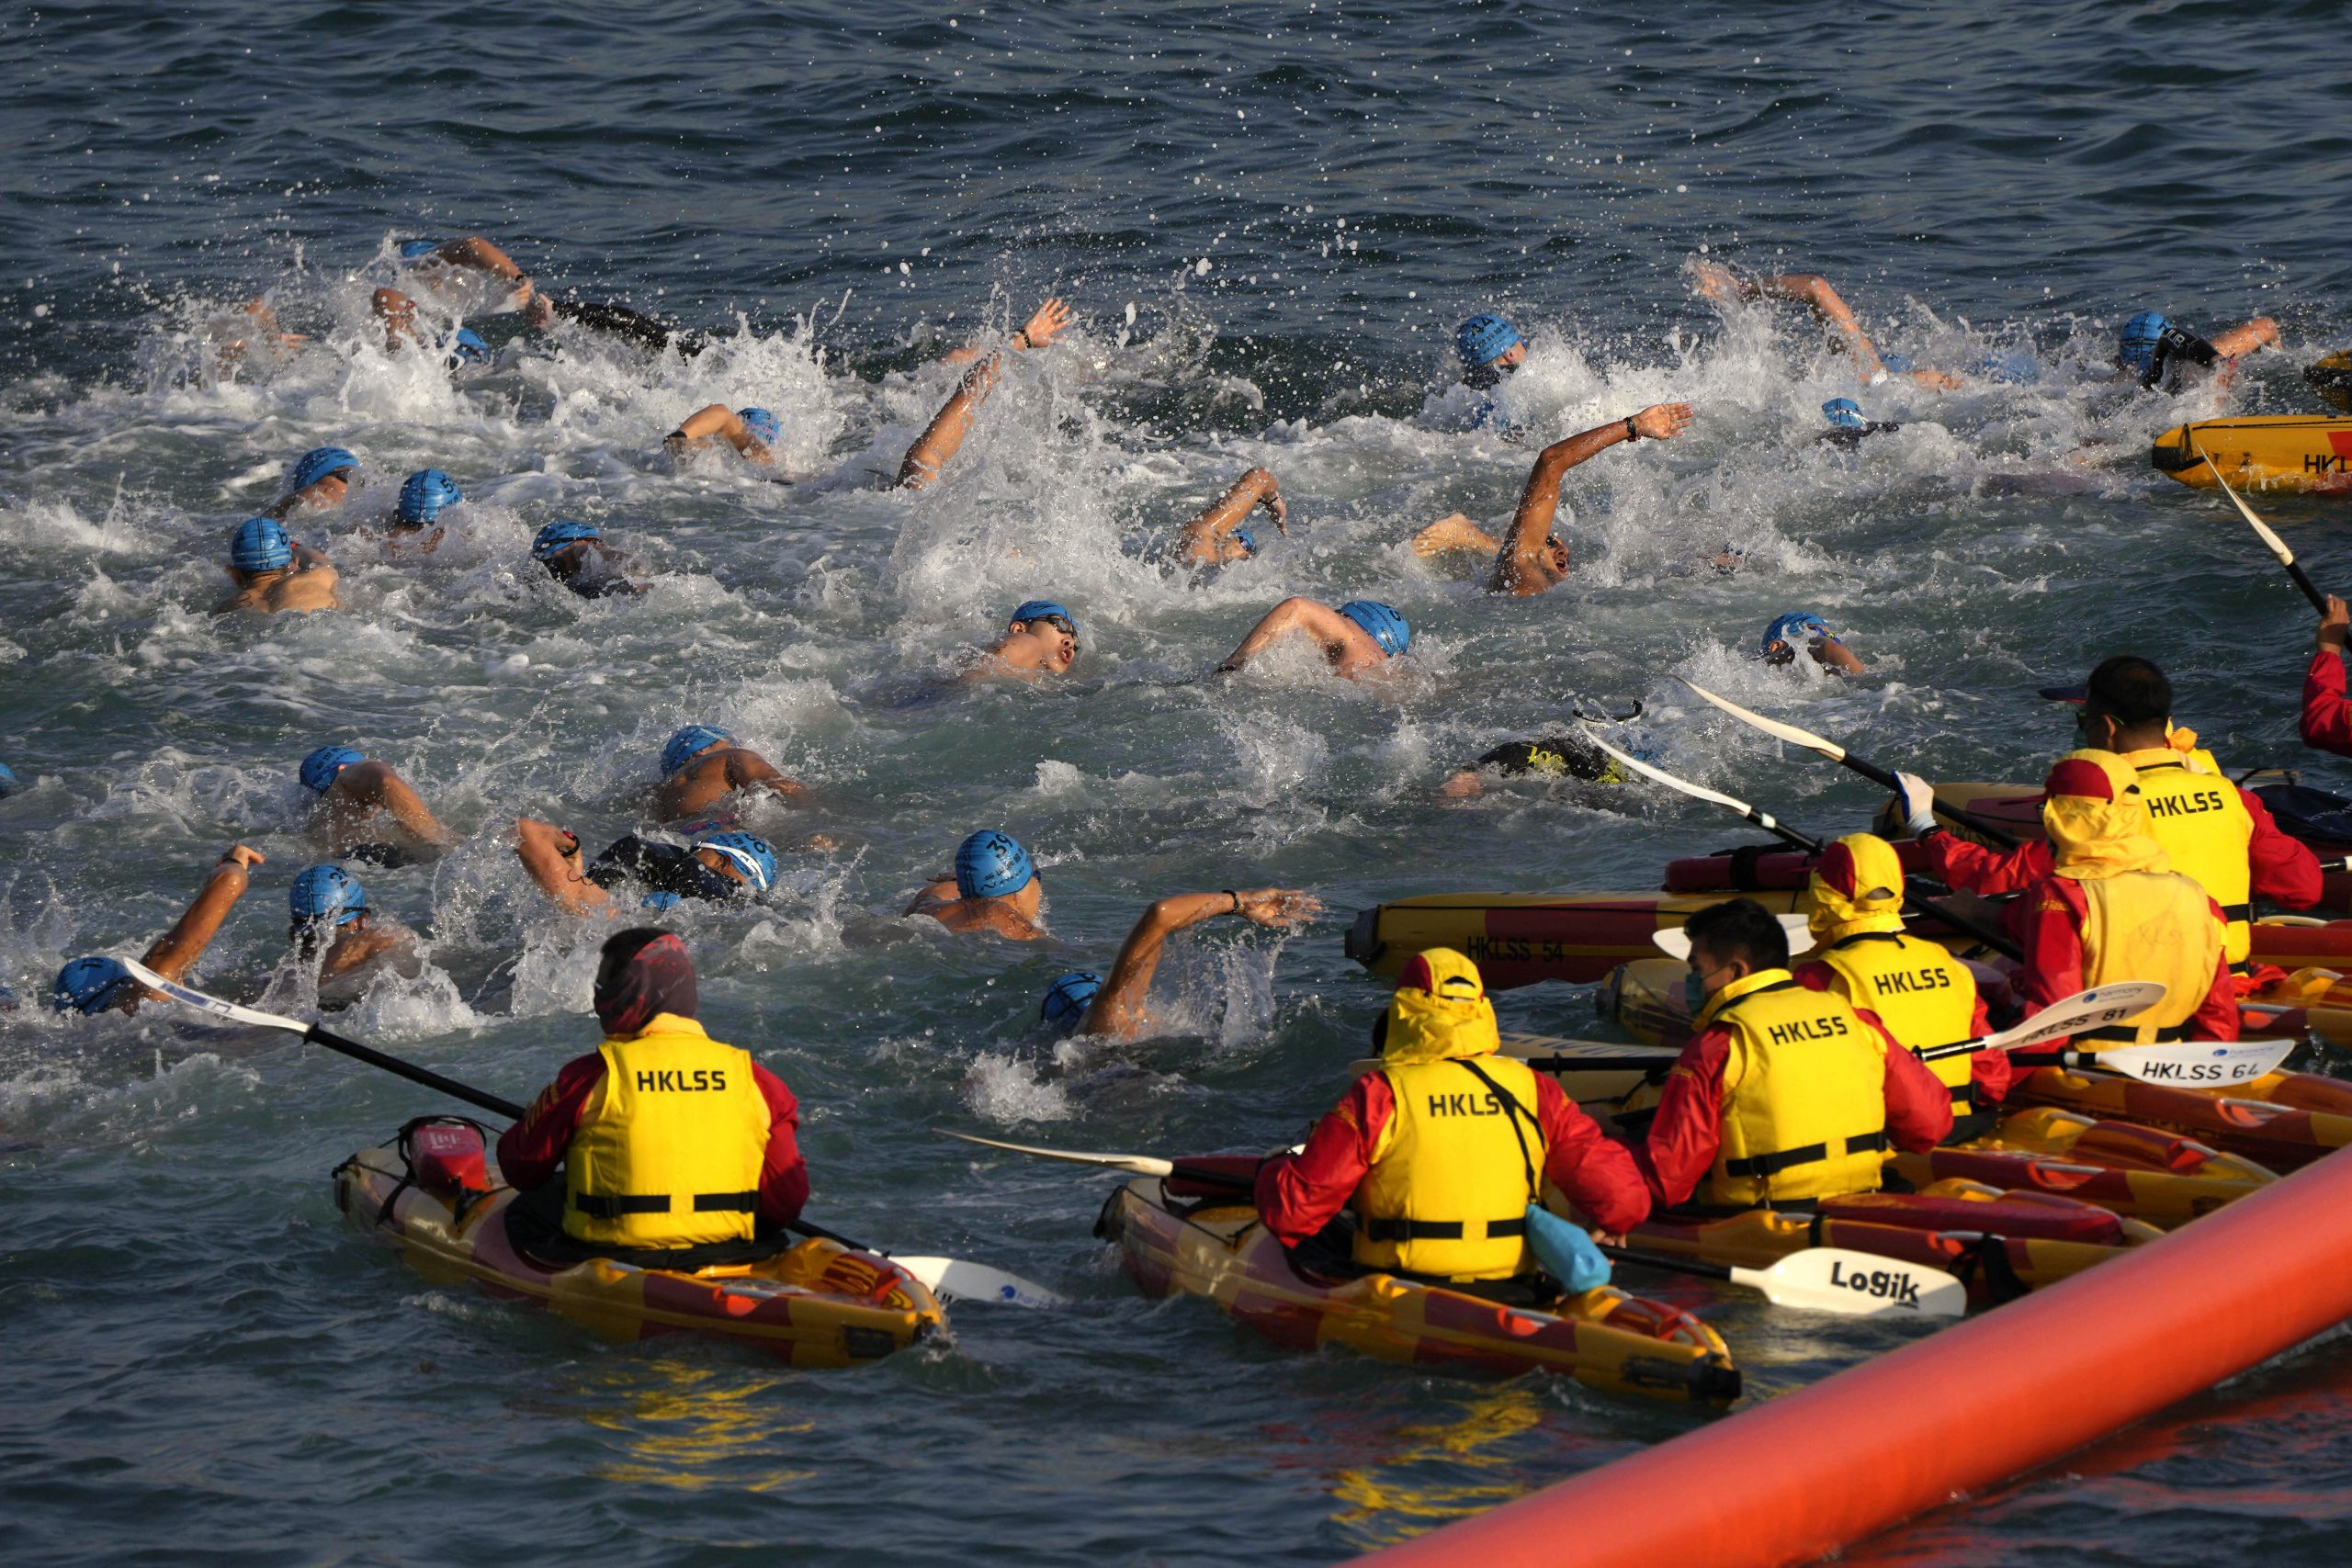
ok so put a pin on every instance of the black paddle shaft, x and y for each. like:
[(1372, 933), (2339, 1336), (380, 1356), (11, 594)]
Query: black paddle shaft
[(2295, 570), (1879, 775), (1670, 1265), (1958, 922)]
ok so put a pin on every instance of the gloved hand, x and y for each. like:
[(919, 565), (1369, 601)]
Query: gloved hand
[(1918, 804)]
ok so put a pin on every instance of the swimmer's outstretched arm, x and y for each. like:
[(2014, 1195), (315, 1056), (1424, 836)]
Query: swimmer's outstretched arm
[(478, 254), (2259, 332), (398, 312), (1203, 539), (745, 768), (374, 785), (945, 435), (719, 423), (1813, 291), (176, 950), (1455, 532), (1118, 1008), (1527, 563), (1333, 631), (552, 857), (1039, 331)]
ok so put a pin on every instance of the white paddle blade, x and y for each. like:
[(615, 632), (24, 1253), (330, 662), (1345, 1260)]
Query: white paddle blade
[(187, 996), (1135, 1165), (1858, 1284), (2200, 1063), (2098, 1008), (959, 1280), (1659, 775), (1788, 732), (2277, 546), (1675, 943)]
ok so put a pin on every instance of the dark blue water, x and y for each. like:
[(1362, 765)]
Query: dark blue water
[(1267, 219)]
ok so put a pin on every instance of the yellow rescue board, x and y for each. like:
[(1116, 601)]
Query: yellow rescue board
[(2299, 452)]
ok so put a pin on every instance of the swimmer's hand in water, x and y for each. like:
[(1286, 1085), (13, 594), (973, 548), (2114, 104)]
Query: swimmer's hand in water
[(1277, 909), (1715, 281), (241, 856), (1660, 422), (1050, 321)]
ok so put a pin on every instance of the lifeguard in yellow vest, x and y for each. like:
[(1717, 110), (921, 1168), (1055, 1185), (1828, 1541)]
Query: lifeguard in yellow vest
[(1924, 996), (1439, 1152), (1785, 1095), (668, 1139)]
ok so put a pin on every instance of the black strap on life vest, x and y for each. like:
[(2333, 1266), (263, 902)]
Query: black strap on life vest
[(1513, 1112), (599, 1207), (2237, 911), (1439, 1230), (1773, 1164)]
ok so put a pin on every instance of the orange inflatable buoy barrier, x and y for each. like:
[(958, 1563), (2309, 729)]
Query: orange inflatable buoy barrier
[(1955, 1412)]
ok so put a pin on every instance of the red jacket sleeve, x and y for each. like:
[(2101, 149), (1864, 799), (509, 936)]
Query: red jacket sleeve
[(2327, 718), (2284, 869), (530, 1151), (1599, 1177), (2048, 922), (1688, 1128), (1919, 1106), (1299, 1194), (1973, 868), (2217, 1016), (784, 1175)]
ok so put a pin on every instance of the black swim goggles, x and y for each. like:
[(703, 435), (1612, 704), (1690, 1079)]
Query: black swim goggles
[(1059, 623)]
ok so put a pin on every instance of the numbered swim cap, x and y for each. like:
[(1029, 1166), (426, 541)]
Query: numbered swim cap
[(1067, 998), (1483, 339), (991, 865), (326, 893), (680, 748), (2136, 349), (750, 853), (423, 493), (761, 423), (262, 544), (1381, 623), (320, 768), (1845, 413), (556, 537), (88, 985), (1784, 634), (317, 464)]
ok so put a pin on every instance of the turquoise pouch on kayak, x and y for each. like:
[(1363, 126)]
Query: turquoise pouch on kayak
[(1565, 1252)]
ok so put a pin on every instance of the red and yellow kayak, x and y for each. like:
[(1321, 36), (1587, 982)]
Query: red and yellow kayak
[(2311, 453), (1604, 1338), (2282, 1121), (816, 1305)]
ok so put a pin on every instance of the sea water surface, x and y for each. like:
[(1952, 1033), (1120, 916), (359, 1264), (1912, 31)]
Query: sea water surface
[(1267, 219)]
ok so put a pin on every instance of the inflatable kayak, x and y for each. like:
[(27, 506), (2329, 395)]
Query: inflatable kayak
[(434, 1195), (2139, 1173), (2282, 1121), (2311, 453), (1172, 1245)]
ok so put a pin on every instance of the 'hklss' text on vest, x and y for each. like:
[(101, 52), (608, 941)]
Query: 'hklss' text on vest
[(670, 1149), (2207, 833), (1803, 1113), (1448, 1190), (1924, 996)]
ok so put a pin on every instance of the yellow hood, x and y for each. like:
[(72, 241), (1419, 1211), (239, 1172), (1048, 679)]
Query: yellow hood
[(1857, 887), (1440, 1011), (2096, 821)]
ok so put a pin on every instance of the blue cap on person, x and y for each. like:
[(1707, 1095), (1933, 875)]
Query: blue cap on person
[(1484, 338), (1798, 625), (991, 865), (761, 424), (679, 749), (750, 853), (1067, 998), (320, 768), (326, 893), (466, 347), (558, 536), (87, 985), (1245, 538), (412, 249), (261, 543), (8, 784), (1845, 413), (1039, 609), (2137, 346), (317, 464), (423, 493), (1381, 623)]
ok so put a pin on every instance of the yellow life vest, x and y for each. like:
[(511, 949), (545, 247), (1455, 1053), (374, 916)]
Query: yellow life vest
[(1924, 996), (2207, 833), (1453, 1172), (670, 1148), (2151, 925), (1803, 1113)]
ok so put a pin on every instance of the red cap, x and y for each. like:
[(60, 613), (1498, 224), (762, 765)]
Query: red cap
[(2076, 775)]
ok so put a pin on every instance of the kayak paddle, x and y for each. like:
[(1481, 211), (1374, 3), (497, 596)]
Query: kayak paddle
[(2286, 557), (1134, 1165), (1787, 834), (949, 1276), (1838, 754), (1829, 1278)]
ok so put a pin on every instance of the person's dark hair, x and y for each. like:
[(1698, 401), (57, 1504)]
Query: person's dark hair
[(614, 957), (1740, 928), (2131, 690)]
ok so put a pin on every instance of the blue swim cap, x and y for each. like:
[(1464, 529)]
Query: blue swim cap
[(1483, 339), (761, 424), (8, 998), (1381, 623), (660, 901), (1038, 609), (750, 853), (2017, 365), (261, 543), (2137, 346), (423, 493), (466, 347), (317, 464), (320, 768), (1795, 627), (1897, 363), (1845, 413), (681, 747), (1245, 538), (556, 535), (412, 249), (326, 893), (87, 985), (991, 865), (1067, 998), (8, 781)]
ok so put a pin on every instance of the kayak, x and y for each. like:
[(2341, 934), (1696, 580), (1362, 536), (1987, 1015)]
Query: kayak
[(1520, 938), (815, 1304), (2282, 1121), (1172, 1245), (2140, 1173), (2311, 453)]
